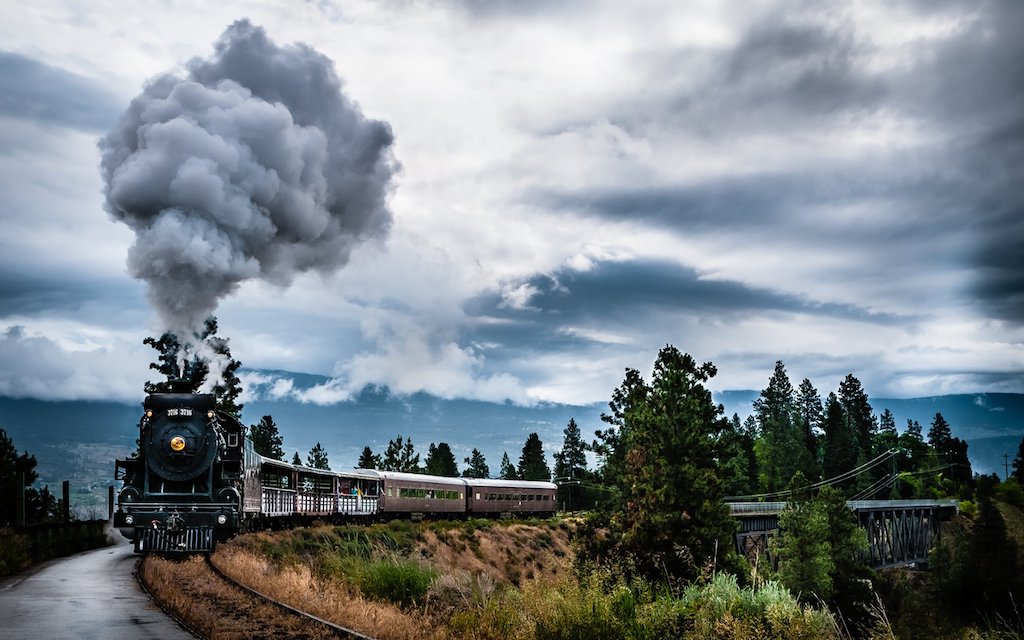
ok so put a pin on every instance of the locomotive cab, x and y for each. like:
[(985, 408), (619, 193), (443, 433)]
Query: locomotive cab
[(181, 492)]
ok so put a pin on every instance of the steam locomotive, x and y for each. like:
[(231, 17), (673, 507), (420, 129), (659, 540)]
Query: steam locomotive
[(197, 480)]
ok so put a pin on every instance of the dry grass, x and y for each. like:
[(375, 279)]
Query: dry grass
[(510, 554), (218, 610), (334, 601), (474, 566)]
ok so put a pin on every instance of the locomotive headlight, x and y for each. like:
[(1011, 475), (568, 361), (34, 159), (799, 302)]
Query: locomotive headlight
[(129, 519), (177, 443), (222, 519), (149, 413), (209, 414)]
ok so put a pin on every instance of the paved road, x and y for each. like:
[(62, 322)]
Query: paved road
[(90, 595)]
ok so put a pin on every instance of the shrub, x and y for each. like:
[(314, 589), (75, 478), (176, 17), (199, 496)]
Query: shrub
[(401, 581)]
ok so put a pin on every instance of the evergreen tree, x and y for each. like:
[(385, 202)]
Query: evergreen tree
[(571, 466), (782, 449), (860, 414), (317, 458), (476, 466), (670, 518), (229, 387), (1018, 463), (839, 454), (368, 459), (940, 437), (401, 456), (887, 437), (296, 459), (819, 547), (608, 444), (183, 368), (960, 472), (812, 423), (508, 472), (802, 547), (735, 452), (913, 449), (266, 440), (441, 461), (991, 574), (532, 463), (11, 464)]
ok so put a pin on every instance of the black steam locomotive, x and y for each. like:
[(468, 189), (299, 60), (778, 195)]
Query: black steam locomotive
[(197, 480)]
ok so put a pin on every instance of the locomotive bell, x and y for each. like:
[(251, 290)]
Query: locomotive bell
[(177, 443)]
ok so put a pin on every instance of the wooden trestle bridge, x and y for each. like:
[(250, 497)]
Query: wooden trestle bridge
[(900, 532)]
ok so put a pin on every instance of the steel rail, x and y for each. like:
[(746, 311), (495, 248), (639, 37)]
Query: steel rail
[(340, 631)]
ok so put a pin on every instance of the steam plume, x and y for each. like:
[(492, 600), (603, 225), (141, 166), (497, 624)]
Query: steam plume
[(255, 165)]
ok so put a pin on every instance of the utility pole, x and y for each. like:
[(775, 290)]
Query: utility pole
[(1006, 466)]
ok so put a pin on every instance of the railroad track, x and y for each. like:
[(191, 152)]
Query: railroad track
[(210, 604)]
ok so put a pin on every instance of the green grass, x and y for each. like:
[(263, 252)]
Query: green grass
[(402, 581)]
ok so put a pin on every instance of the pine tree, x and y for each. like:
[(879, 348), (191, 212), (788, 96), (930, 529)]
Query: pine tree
[(840, 441), (812, 423), (571, 466), (296, 459), (11, 464), (859, 412), (401, 456), (190, 371), (532, 463), (508, 472), (1018, 463), (940, 437), (476, 466), (266, 440), (782, 449), (887, 437), (441, 461), (735, 450), (802, 547), (368, 459), (317, 458), (671, 518), (913, 448)]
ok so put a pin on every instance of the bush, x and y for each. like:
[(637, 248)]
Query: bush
[(401, 581), (1011, 492)]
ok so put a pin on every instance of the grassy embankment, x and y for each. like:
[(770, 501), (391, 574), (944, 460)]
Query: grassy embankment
[(519, 580), (485, 579)]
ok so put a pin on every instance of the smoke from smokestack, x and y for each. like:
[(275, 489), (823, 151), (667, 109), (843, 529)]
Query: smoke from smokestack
[(255, 165)]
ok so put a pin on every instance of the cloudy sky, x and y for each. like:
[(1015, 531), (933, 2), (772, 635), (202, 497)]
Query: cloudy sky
[(839, 185)]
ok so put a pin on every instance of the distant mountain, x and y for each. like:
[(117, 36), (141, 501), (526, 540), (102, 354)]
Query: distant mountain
[(79, 440)]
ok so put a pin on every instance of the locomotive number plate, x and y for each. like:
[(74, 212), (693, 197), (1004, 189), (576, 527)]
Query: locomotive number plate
[(185, 412)]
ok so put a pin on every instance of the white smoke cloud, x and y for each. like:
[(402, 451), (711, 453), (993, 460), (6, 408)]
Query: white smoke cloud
[(255, 165)]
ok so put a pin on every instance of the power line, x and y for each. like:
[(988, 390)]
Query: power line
[(867, 466)]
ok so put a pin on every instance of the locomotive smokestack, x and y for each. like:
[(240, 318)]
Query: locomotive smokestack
[(254, 165)]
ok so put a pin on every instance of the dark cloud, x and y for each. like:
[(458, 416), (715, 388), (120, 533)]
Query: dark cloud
[(614, 295), (256, 165), (31, 90), (973, 86), (81, 295), (783, 69)]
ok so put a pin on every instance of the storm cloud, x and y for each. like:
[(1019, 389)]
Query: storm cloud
[(254, 165)]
